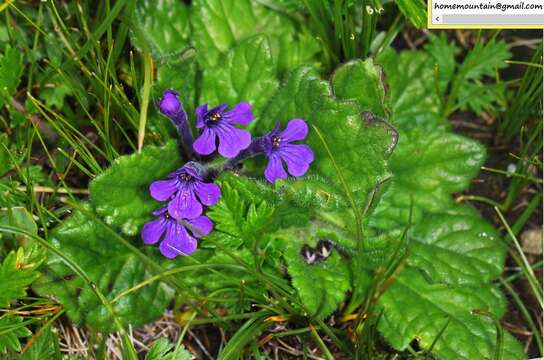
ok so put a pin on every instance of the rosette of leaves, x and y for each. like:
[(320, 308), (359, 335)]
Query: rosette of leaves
[(453, 254)]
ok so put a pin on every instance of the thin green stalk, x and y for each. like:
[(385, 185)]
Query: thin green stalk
[(524, 263), (537, 335), (182, 336), (145, 98), (510, 173), (535, 203), (321, 344), (168, 273), (349, 195), (478, 198), (498, 354)]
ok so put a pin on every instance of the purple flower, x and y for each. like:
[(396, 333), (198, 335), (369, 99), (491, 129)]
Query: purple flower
[(182, 189), (170, 106), (217, 125), (177, 238), (278, 148)]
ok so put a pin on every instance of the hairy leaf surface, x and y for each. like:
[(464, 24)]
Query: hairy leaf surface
[(110, 265), (246, 73), (218, 25), (413, 308), (321, 286), (164, 24), (428, 168), (414, 101)]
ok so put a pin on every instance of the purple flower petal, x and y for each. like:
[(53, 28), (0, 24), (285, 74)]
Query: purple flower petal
[(160, 211), (177, 242), (153, 230), (189, 168), (169, 104), (184, 205), (162, 190), (240, 114), (205, 144), (274, 170), (218, 109), (296, 130), (297, 158), (232, 140), (203, 224), (207, 193), (200, 112)]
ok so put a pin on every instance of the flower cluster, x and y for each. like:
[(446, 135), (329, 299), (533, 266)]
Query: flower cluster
[(187, 190)]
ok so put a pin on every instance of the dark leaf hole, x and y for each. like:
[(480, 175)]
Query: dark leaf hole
[(414, 344)]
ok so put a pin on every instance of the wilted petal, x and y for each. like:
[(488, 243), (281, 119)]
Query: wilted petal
[(240, 114), (232, 140), (297, 158), (162, 190), (296, 130), (207, 193), (203, 224), (153, 230), (274, 170), (205, 144), (184, 205)]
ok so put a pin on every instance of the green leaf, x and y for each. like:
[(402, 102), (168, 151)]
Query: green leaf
[(443, 53), (240, 214), (6, 162), (180, 76), (414, 100), (347, 133), (415, 11), (54, 95), (467, 88), (218, 25), (453, 258), (484, 59), (18, 217), (11, 330), (163, 349), (11, 70), (16, 275), (361, 81), (45, 347), (479, 97), (413, 308), (321, 286), (164, 24), (312, 192), (247, 73), (110, 265), (428, 168), (120, 194), (456, 249)]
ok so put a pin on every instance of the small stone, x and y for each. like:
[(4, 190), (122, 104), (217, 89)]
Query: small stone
[(531, 241)]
